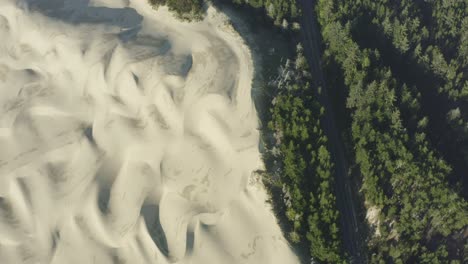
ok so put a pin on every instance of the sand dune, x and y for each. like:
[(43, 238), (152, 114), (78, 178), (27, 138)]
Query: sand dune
[(127, 136)]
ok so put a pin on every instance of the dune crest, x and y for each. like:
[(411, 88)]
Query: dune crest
[(128, 137)]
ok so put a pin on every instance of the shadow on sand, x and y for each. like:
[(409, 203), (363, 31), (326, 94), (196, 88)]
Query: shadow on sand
[(79, 12), (150, 213)]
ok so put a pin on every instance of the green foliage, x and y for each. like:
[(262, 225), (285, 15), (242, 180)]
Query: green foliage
[(425, 44), (306, 166), (185, 9), (402, 174), (278, 10)]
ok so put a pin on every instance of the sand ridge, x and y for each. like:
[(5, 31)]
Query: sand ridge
[(127, 136)]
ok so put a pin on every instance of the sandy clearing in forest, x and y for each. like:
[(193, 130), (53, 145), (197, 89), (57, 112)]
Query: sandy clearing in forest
[(127, 136)]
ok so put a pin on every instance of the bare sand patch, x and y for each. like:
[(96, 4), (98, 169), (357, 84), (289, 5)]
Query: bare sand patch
[(127, 136)]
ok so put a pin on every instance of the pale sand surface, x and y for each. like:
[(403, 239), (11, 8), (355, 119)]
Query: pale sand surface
[(127, 136)]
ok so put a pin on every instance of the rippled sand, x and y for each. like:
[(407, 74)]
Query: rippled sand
[(127, 136)]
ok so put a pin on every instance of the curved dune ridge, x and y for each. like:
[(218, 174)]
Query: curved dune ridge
[(127, 136)]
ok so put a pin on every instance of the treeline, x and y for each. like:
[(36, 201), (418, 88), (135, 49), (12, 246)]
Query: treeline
[(184, 9), (283, 12), (404, 178), (299, 150), (297, 157), (298, 161)]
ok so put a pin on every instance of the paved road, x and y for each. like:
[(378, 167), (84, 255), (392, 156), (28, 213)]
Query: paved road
[(345, 201)]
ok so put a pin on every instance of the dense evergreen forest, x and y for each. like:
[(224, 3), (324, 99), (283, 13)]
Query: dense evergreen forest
[(403, 63), (302, 167), (282, 12), (399, 73), (425, 45)]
